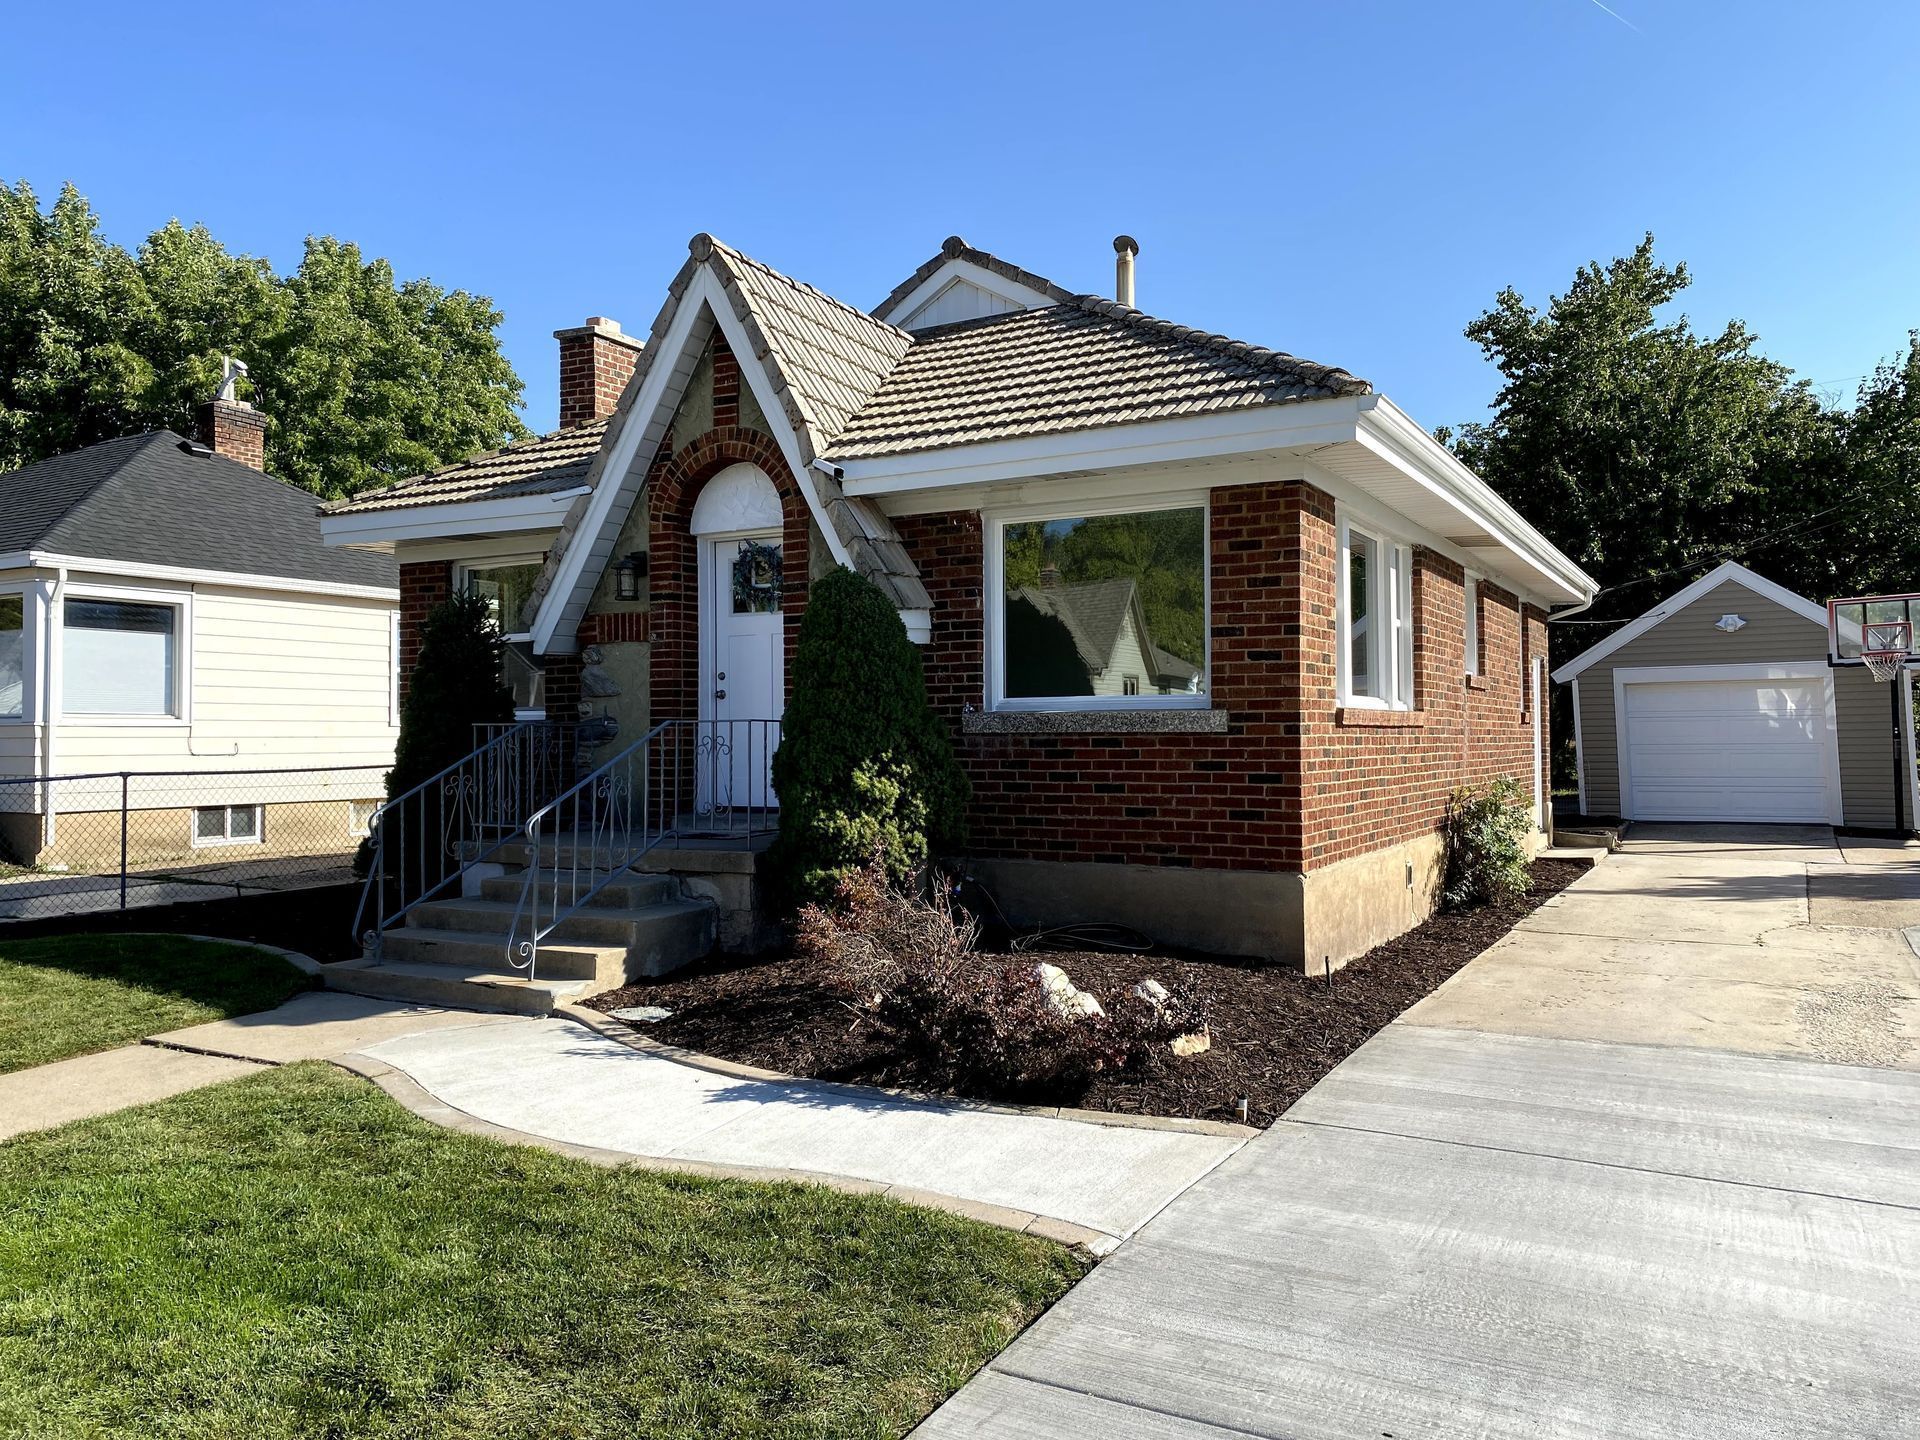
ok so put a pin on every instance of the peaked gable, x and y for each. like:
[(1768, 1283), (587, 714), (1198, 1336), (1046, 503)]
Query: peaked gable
[(962, 283)]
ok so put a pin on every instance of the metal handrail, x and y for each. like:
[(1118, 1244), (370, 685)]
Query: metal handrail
[(457, 818), (630, 804)]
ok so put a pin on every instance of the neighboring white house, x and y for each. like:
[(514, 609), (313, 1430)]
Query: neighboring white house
[(170, 611)]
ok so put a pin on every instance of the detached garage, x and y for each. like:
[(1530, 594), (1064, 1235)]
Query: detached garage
[(1720, 704)]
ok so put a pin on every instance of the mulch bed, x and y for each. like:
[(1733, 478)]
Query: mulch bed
[(316, 922), (1275, 1031)]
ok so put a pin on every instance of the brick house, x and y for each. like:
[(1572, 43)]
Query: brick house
[(1216, 628)]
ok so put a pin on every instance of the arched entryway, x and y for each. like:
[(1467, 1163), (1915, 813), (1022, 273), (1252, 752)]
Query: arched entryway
[(737, 526)]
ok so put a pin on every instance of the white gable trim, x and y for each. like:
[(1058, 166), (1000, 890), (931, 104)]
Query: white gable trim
[(1727, 570), (1018, 296), (572, 584)]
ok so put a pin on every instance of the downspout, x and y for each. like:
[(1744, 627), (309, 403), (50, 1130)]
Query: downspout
[(49, 688)]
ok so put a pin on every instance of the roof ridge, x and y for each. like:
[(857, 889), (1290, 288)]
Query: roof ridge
[(83, 502), (956, 248), (714, 244), (1331, 376)]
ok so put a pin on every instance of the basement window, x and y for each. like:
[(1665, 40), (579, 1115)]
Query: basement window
[(228, 825)]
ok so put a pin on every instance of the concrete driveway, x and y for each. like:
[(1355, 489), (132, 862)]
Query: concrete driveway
[(1649, 1167)]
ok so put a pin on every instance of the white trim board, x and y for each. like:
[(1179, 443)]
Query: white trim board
[(82, 565), (1626, 675), (1728, 570), (384, 529)]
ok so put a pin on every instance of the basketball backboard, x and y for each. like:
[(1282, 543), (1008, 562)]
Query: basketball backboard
[(1869, 629)]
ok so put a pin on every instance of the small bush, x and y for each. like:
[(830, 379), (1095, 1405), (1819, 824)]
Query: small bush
[(1486, 832), (864, 765), (974, 1024)]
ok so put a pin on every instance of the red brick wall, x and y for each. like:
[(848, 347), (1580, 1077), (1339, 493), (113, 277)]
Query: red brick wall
[(423, 585), (1294, 783), (673, 484), (594, 369)]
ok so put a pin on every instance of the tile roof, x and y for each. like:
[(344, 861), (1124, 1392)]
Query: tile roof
[(154, 499), (827, 358), (1075, 366), (541, 466), (954, 248)]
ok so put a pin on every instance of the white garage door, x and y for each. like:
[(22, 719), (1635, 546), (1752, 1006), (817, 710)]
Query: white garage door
[(1727, 750)]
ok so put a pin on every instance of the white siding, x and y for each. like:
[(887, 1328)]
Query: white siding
[(959, 301)]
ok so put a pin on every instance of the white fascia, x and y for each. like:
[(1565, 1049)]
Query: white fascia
[(1308, 423), (1023, 297), (1727, 571), (384, 529), (81, 564), (1389, 432), (622, 445)]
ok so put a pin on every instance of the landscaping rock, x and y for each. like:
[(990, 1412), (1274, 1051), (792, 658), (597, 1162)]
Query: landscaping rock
[(1063, 997), (1197, 1043), (648, 1014), (1154, 993)]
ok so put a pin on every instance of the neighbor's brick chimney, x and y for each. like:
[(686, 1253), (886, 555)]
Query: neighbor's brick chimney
[(235, 429), (596, 361)]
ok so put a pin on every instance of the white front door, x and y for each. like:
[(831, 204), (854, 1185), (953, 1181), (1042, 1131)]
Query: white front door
[(743, 671)]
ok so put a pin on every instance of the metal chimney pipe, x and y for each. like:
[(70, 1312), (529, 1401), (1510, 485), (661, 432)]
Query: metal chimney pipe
[(1125, 247)]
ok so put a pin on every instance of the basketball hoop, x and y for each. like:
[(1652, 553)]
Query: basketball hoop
[(1886, 647)]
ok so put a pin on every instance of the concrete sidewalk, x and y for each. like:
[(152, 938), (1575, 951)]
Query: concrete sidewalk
[(314, 1025), (1605, 1182), (556, 1079)]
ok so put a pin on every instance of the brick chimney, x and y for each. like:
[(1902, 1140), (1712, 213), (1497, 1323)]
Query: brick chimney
[(229, 425), (596, 361)]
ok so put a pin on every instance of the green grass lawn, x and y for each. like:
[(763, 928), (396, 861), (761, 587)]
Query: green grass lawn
[(293, 1254), (74, 994)]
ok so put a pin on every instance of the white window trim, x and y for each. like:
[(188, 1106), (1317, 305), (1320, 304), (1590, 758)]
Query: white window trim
[(1472, 632), (181, 715), (29, 592), (994, 525), (1391, 601), (259, 836), (462, 572), (360, 831)]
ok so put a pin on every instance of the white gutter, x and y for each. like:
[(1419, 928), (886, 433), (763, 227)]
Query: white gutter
[(386, 527), (235, 578)]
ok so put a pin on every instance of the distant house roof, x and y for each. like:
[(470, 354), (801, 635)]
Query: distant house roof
[(155, 499), (545, 465), (1095, 614)]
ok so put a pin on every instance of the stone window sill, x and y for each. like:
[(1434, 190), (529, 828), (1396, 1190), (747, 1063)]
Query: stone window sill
[(1094, 722), (1365, 718), (1477, 682)]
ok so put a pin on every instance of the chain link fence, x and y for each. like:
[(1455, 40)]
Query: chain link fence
[(78, 844)]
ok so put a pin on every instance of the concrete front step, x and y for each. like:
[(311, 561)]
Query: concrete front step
[(631, 892), (459, 987), (425, 944), (659, 926)]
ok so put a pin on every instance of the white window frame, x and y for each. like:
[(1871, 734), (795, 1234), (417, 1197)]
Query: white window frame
[(30, 602), (995, 523), (357, 830), (463, 571), (1389, 605), (180, 716), (259, 836), (1472, 631)]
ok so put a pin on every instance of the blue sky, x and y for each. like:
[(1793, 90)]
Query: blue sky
[(1351, 182)]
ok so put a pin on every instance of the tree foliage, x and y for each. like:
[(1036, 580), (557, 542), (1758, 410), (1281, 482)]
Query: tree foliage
[(864, 767), (454, 686), (363, 378), (1640, 447), (1163, 550)]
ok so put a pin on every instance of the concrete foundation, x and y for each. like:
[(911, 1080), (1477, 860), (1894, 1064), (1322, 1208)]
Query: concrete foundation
[(1350, 907), (730, 874)]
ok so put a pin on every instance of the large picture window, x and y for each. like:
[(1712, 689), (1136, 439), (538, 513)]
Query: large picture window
[(1375, 620), (13, 657), (121, 658), (506, 586), (1102, 610)]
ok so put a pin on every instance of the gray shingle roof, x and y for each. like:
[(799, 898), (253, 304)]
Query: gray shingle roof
[(1074, 366), (541, 466), (1094, 612), (151, 499)]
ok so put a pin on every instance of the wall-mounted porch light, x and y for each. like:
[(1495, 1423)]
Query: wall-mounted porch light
[(627, 575)]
